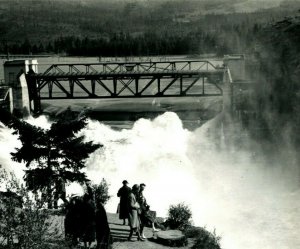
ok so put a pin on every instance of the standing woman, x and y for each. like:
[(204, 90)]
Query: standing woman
[(134, 210)]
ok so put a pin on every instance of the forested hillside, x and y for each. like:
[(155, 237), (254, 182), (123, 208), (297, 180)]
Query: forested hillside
[(123, 28)]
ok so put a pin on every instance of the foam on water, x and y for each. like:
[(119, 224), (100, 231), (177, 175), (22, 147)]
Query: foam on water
[(8, 143), (251, 203)]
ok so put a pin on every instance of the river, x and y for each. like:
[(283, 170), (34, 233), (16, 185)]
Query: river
[(250, 197)]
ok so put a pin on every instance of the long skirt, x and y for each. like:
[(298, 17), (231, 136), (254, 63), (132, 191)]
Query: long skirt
[(134, 219), (146, 218)]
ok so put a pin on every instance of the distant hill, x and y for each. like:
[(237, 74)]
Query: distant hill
[(44, 19), (42, 25)]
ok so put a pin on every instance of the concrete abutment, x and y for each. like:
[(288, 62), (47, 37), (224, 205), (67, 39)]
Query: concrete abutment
[(15, 79)]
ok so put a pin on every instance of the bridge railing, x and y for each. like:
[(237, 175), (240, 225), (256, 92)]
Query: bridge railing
[(115, 67)]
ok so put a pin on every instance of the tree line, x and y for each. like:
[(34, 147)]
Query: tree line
[(119, 44)]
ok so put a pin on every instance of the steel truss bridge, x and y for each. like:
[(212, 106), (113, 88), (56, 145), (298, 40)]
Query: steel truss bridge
[(194, 78)]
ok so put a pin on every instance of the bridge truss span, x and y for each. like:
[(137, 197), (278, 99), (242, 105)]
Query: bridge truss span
[(126, 80)]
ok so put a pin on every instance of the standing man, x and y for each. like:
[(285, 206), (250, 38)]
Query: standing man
[(123, 193)]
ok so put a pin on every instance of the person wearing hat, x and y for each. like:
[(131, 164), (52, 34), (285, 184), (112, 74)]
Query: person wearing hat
[(145, 215), (123, 193)]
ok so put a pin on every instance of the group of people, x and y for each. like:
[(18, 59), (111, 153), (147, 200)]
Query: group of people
[(134, 207), (86, 218), (86, 221)]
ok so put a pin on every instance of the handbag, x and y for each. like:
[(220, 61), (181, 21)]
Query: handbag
[(139, 211)]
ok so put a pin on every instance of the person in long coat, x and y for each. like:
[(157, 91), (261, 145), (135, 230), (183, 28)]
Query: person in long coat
[(134, 211), (123, 193), (73, 229), (88, 220), (102, 227)]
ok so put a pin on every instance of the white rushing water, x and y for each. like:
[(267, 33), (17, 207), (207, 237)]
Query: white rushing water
[(251, 203)]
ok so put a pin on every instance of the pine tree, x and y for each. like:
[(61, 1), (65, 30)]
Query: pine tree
[(52, 155)]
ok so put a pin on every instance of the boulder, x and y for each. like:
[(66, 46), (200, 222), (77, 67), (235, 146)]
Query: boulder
[(172, 238)]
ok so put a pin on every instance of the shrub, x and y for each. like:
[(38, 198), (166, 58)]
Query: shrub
[(203, 238), (24, 223), (179, 216), (101, 192)]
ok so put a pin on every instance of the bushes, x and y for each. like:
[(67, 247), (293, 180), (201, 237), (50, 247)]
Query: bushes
[(24, 224), (101, 192), (203, 238), (179, 216)]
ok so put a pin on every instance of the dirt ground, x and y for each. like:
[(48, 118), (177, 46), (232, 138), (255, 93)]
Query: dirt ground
[(119, 233)]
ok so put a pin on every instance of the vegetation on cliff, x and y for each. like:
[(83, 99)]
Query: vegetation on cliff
[(278, 76)]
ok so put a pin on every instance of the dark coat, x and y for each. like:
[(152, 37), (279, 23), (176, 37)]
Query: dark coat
[(123, 193), (88, 220), (102, 228), (80, 219), (73, 219)]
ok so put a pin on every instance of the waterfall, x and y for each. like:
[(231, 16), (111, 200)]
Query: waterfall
[(251, 202)]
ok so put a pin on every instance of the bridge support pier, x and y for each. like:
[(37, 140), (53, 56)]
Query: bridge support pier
[(226, 128), (15, 78), (227, 92), (234, 72)]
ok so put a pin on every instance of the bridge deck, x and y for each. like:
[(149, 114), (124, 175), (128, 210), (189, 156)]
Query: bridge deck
[(144, 66), (145, 74)]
